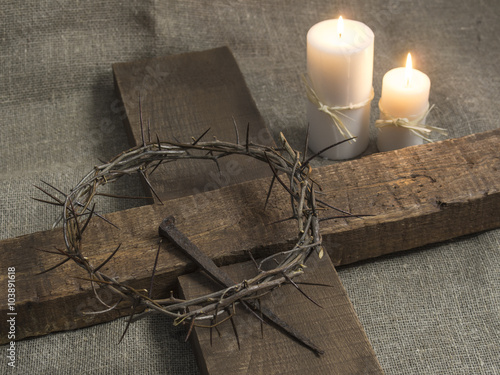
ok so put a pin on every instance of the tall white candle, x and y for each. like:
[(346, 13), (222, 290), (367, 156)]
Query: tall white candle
[(405, 95), (340, 69)]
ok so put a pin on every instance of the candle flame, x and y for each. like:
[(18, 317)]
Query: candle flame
[(408, 71), (340, 26)]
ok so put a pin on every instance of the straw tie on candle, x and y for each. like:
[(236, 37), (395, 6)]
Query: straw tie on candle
[(416, 126), (334, 112)]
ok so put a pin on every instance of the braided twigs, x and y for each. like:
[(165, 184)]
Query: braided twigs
[(290, 170)]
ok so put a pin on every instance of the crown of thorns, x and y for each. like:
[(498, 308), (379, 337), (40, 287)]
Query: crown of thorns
[(290, 170)]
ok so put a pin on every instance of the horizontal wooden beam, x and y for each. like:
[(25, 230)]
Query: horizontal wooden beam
[(418, 195)]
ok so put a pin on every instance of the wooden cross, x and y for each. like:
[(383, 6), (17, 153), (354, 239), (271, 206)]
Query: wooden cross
[(418, 195)]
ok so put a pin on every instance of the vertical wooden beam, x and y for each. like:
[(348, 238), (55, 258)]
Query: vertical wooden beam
[(182, 96), (335, 328)]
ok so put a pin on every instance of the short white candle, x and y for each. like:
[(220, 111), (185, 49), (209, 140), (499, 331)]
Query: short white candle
[(340, 69), (405, 94)]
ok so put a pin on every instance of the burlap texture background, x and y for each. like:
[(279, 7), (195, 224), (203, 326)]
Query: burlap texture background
[(430, 311)]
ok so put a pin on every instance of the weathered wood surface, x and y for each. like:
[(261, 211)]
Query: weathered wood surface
[(181, 97), (418, 195), (335, 328)]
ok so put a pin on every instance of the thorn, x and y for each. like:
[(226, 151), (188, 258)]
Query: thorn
[(269, 192), (120, 196), (248, 136), (234, 329), (218, 166), (48, 202), (150, 186), (108, 258), (75, 215), (54, 267), (314, 284), (159, 162), (218, 332), (211, 329), (191, 325), (156, 166), (336, 209), (277, 177), (58, 252), (159, 143), (53, 187), (126, 328), (99, 216), (253, 259), (141, 121), (149, 131), (306, 145), (154, 269), (201, 136), (236, 131), (323, 150), (301, 291), (88, 219), (214, 326), (283, 220), (213, 323), (342, 217), (261, 318), (50, 195)]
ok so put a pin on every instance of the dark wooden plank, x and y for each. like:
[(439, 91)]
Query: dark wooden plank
[(181, 97), (335, 328), (419, 195)]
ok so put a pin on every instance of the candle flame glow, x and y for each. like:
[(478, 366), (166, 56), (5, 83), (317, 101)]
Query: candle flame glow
[(408, 71), (340, 26)]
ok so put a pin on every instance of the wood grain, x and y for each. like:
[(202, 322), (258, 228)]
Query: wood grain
[(335, 328), (181, 97), (418, 195), (206, 90)]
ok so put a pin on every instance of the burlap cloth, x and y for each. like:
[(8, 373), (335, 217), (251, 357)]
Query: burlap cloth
[(429, 311)]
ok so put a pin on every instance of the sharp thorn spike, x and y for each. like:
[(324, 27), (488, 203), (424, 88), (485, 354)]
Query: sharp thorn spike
[(269, 192), (154, 270), (261, 317), (49, 194), (283, 220), (247, 136), (301, 291), (54, 267), (108, 258), (277, 177), (191, 325), (141, 121), (236, 131), (129, 321), (201, 136), (48, 202), (158, 140), (306, 144), (321, 151), (151, 187), (233, 324), (149, 131), (53, 187)]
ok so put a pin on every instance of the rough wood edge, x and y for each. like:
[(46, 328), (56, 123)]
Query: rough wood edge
[(466, 188)]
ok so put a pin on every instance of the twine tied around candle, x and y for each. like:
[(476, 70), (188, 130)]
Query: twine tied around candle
[(416, 126), (335, 113)]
